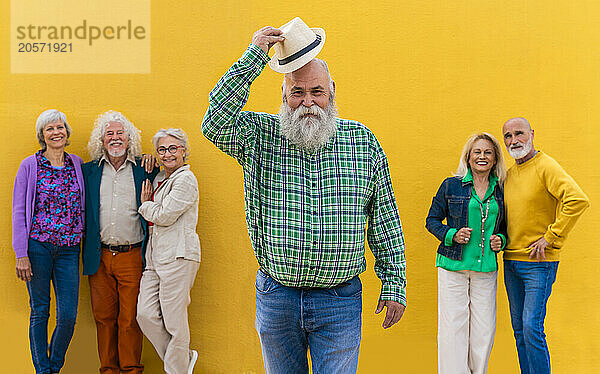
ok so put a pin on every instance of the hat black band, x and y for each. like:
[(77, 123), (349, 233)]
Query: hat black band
[(301, 52)]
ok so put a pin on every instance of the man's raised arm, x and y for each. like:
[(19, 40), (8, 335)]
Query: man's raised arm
[(224, 123)]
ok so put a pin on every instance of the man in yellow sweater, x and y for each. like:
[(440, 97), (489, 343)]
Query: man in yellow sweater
[(542, 205)]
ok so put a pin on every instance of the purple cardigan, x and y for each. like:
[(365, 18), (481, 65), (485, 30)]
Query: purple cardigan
[(24, 200)]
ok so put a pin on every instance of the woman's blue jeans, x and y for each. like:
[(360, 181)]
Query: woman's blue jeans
[(290, 320), (59, 265), (528, 285)]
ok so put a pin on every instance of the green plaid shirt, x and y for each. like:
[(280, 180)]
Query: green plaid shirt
[(307, 212)]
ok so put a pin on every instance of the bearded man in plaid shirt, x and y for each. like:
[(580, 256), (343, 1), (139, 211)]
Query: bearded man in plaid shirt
[(312, 183)]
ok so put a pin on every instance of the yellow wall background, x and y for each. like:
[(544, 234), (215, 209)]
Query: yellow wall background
[(423, 75)]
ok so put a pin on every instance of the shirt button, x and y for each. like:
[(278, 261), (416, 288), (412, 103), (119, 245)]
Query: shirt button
[(315, 243)]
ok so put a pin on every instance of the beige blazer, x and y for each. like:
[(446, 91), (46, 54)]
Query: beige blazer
[(174, 213)]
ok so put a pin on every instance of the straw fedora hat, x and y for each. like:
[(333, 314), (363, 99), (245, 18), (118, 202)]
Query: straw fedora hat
[(300, 46)]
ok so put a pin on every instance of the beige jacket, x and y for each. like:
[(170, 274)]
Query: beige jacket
[(174, 213)]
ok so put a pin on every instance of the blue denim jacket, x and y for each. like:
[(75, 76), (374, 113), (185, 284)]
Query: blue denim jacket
[(451, 202)]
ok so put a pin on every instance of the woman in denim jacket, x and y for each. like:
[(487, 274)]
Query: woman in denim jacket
[(472, 204)]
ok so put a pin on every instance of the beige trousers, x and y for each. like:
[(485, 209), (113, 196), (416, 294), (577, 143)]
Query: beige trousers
[(466, 320), (162, 309)]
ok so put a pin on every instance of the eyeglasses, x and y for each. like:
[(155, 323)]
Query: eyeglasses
[(172, 149)]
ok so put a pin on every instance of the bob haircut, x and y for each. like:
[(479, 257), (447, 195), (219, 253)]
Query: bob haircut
[(178, 134), (50, 116), (499, 170)]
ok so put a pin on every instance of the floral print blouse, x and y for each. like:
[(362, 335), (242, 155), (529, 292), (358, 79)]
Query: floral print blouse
[(57, 215)]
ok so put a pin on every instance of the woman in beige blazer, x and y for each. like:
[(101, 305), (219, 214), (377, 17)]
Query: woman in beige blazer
[(172, 254)]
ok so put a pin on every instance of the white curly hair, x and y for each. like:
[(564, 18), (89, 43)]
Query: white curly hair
[(96, 144)]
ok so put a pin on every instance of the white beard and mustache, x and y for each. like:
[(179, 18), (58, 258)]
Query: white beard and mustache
[(116, 153), (308, 132), (517, 155)]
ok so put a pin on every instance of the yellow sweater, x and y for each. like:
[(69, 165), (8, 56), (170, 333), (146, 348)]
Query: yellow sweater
[(541, 199)]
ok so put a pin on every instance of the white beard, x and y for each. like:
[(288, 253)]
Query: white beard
[(517, 155), (308, 132), (117, 154)]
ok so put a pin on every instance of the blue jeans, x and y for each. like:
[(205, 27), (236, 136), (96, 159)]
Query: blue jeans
[(528, 285), (59, 265), (290, 320)]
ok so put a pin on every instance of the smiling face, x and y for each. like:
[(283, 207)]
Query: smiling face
[(115, 139), (308, 113), (482, 157), (55, 135), (308, 86), (170, 161)]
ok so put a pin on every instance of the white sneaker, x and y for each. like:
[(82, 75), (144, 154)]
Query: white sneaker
[(193, 359)]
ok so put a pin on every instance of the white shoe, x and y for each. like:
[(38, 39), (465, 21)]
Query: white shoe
[(193, 359)]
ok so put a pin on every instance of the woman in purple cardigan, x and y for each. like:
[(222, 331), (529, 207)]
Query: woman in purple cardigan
[(48, 206)]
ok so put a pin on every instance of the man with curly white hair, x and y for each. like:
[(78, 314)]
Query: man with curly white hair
[(113, 249)]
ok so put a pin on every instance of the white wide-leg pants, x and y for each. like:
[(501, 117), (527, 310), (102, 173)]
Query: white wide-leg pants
[(466, 320)]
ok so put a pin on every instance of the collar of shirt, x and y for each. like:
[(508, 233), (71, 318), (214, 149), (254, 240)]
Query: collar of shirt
[(468, 178)]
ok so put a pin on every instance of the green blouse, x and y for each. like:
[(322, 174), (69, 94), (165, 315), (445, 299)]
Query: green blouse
[(473, 257)]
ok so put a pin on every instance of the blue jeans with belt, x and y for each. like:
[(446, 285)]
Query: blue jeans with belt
[(528, 286), (290, 320), (58, 265)]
